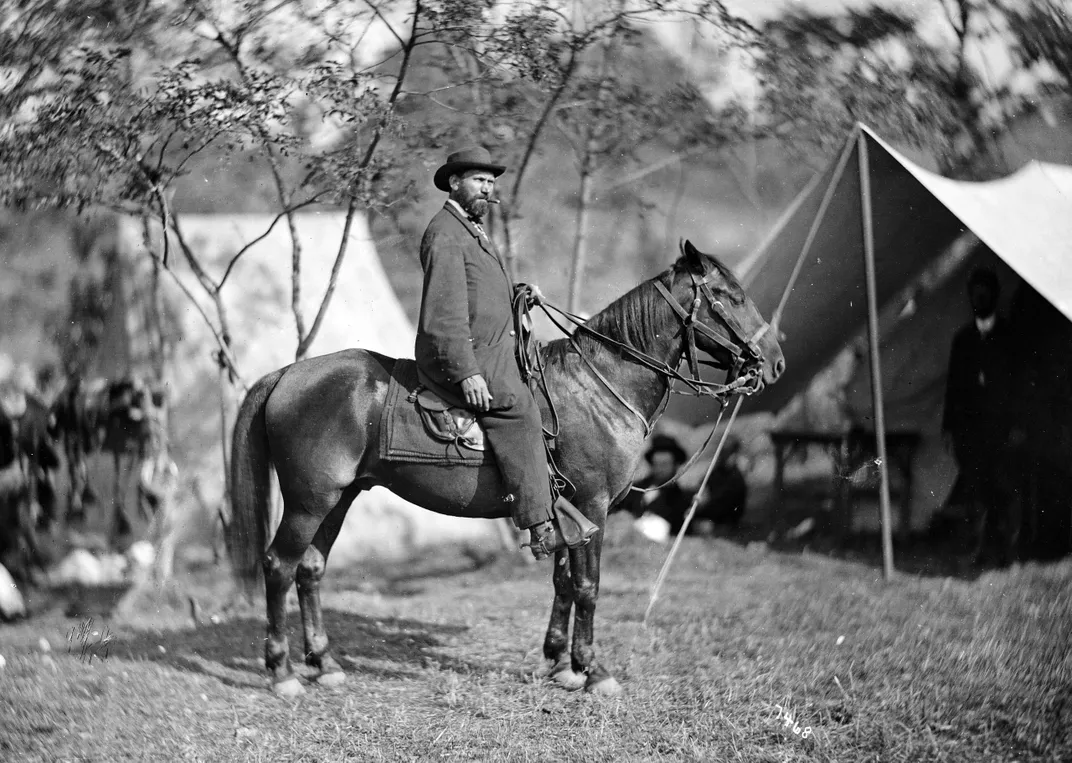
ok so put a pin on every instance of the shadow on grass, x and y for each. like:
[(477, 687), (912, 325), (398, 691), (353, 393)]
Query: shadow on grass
[(410, 578), (232, 651), (923, 554)]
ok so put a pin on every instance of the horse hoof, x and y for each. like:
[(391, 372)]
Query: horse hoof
[(334, 678), (289, 688), (568, 680), (608, 687)]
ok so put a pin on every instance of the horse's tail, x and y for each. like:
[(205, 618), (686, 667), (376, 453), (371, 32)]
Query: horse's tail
[(251, 494)]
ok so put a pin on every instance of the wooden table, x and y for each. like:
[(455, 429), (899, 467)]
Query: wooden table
[(850, 449)]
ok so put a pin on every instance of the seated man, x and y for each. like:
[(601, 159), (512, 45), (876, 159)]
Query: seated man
[(670, 503), (722, 501)]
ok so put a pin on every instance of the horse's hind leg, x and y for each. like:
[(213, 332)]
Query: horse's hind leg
[(310, 572), (296, 531), (556, 642)]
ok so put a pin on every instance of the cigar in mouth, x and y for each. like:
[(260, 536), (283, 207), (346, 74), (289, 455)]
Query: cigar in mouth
[(493, 201)]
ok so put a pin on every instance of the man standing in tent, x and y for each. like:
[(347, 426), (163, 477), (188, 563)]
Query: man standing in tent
[(466, 343), (978, 392)]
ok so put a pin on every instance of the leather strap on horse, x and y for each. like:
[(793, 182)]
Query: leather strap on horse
[(621, 399), (530, 363), (739, 345), (688, 463), (700, 387)]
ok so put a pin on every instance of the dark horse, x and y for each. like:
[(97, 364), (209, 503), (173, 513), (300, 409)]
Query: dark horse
[(317, 422), (99, 416)]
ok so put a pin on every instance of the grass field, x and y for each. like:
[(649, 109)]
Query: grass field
[(447, 667)]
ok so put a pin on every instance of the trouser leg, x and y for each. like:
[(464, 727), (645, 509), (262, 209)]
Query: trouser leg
[(516, 438)]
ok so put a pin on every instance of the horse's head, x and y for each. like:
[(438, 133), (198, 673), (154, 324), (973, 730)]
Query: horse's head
[(725, 324)]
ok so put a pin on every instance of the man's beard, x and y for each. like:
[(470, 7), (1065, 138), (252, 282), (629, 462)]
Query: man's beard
[(474, 206)]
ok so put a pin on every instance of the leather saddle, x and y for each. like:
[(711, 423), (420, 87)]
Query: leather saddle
[(447, 423)]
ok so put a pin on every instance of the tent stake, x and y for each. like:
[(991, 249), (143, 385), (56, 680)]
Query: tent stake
[(690, 513), (876, 371)]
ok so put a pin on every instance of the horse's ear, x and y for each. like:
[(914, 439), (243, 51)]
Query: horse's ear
[(693, 256)]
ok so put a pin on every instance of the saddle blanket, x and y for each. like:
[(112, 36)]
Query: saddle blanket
[(404, 434)]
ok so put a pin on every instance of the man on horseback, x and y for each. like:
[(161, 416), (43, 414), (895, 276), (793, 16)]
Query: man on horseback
[(465, 349)]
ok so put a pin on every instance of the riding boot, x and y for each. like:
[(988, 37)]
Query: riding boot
[(568, 528)]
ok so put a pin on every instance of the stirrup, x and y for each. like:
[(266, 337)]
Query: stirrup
[(576, 529)]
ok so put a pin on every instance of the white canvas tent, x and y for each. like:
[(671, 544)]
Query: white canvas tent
[(364, 313), (866, 228), (1026, 219)]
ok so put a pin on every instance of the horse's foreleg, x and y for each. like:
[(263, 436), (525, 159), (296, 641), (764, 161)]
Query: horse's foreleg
[(585, 564), (310, 572), (556, 642), (288, 548)]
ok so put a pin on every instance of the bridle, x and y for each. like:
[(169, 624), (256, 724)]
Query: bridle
[(744, 376), (743, 348)]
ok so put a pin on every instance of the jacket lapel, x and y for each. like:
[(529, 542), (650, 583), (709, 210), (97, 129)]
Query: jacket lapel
[(485, 243)]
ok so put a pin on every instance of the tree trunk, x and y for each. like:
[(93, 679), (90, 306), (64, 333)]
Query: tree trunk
[(580, 242)]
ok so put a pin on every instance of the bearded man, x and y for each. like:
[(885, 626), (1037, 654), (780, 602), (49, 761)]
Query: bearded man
[(465, 349)]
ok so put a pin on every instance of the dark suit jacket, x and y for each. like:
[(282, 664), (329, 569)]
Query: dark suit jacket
[(979, 386), (466, 320)]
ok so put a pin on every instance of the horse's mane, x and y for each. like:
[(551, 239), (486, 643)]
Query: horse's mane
[(637, 318)]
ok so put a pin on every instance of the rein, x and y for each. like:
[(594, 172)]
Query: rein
[(742, 347)]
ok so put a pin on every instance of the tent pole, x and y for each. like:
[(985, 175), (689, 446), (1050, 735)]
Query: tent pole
[(876, 370)]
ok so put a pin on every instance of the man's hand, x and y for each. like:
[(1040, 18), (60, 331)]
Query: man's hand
[(477, 395), (533, 295)]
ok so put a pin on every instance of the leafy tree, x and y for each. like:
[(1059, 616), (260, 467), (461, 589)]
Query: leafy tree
[(614, 110), (512, 79), (1042, 34), (109, 105), (821, 73)]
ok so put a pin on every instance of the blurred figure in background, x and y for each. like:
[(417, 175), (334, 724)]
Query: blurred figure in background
[(26, 461), (726, 493), (1041, 430), (669, 503), (721, 503), (976, 419)]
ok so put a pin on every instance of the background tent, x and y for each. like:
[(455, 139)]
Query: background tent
[(816, 251), (364, 313), (1026, 219)]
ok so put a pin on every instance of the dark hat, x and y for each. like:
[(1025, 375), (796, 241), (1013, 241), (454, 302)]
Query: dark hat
[(468, 158), (662, 442)]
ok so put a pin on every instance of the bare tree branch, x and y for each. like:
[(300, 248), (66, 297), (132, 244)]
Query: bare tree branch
[(366, 160), (376, 10), (250, 244)]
